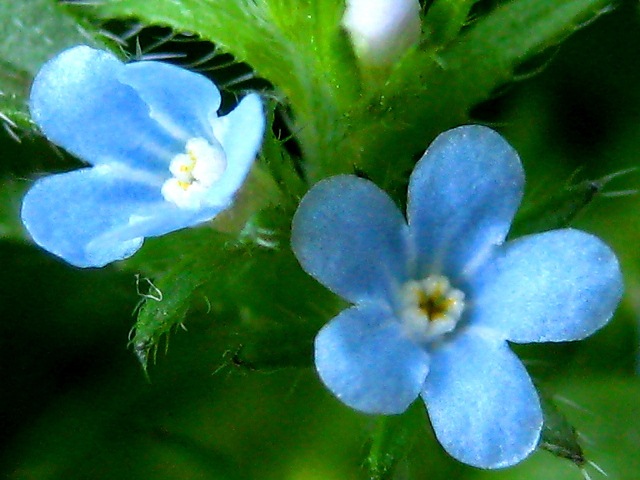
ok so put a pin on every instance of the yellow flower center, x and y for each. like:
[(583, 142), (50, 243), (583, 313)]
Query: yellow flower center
[(430, 307), (193, 172)]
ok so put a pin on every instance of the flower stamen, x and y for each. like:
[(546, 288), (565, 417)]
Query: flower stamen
[(193, 172), (430, 307)]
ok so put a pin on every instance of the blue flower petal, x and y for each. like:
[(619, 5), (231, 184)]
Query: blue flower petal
[(482, 404), (368, 363), (555, 286), (463, 195), (94, 216), (349, 235), (79, 104), (240, 133), (183, 102)]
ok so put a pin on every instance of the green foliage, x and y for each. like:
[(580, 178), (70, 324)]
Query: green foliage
[(558, 435), (194, 258), (11, 191), (390, 442), (158, 315), (444, 20), (210, 275), (235, 286), (435, 89), (561, 209), (276, 326)]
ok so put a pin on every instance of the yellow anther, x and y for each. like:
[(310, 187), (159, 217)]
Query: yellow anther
[(431, 307), (193, 172)]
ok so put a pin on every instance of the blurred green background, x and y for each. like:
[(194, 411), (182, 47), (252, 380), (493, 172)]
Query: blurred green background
[(75, 404)]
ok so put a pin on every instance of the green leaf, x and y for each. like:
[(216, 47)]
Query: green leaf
[(11, 193), (33, 31), (561, 209), (265, 345), (444, 20), (282, 310), (169, 297), (281, 164), (390, 442), (388, 447), (558, 435), (213, 276), (13, 98)]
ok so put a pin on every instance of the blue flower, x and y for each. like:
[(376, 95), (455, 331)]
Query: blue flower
[(161, 157), (437, 300)]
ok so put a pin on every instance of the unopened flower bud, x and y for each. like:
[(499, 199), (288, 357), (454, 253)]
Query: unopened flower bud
[(382, 30)]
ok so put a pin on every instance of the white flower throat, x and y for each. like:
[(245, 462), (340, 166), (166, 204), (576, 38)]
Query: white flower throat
[(430, 307), (194, 172)]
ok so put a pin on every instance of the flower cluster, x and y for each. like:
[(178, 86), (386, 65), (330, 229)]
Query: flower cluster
[(437, 299), (162, 159)]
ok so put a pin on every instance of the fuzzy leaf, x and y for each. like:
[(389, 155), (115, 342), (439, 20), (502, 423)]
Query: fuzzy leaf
[(558, 435), (11, 193), (276, 308), (561, 209), (435, 89), (444, 20), (282, 309), (170, 296), (391, 441)]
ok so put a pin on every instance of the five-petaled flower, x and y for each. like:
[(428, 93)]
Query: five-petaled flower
[(161, 157), (437, 300)]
